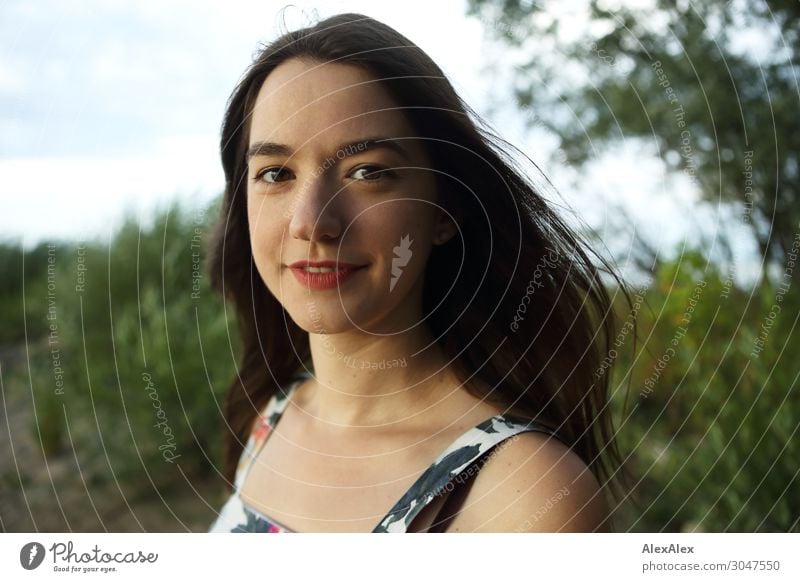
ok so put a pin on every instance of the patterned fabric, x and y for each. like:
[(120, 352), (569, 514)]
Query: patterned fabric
[(470, 448), (236, 516)]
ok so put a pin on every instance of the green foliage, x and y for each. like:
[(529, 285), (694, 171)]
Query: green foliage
[(23, 289), (677, 77), (141, 344), (713, 432)]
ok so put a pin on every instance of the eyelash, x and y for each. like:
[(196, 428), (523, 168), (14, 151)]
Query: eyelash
[(381, 172)]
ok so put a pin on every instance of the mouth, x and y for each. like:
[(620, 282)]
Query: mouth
[(324, 266), (324, 277), (309, 269)]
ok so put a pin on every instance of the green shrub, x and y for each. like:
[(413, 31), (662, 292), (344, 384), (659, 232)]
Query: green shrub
[(145, 352), (714, 439)]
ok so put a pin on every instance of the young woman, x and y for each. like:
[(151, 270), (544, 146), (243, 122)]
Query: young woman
[(425, 328)]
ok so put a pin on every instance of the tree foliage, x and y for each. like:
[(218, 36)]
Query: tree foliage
[(712, 85)]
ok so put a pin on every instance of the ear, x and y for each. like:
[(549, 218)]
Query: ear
[(447, 224), (446, 228)]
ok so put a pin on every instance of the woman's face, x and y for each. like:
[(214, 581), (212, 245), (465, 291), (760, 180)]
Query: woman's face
[(321, 188)]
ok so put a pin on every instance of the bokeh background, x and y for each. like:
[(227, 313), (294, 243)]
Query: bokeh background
[(666, 131)]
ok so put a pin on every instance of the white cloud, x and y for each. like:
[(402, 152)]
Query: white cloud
[(46, 198)]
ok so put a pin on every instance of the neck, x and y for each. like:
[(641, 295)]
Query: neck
[(364, 380)]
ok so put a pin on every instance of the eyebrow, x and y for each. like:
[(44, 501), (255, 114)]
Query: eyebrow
[(268, 148)]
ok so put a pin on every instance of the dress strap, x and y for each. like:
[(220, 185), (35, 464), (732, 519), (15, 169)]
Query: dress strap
[(267, 420), (464, 451)]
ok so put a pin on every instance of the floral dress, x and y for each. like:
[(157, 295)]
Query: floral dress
[(468, 449)]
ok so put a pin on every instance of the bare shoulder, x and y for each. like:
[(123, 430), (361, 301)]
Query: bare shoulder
[(532, 482)]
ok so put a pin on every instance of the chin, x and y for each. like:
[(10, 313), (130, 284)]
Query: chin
[(316, 316)]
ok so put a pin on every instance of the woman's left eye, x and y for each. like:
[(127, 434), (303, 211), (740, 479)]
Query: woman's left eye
[(371, 173)]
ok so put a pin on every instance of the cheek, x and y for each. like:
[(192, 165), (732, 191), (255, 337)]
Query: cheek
[(265, 236), (398, 234), (380, 227)]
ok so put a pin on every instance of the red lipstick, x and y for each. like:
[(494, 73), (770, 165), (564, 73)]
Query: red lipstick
[(333, 274)]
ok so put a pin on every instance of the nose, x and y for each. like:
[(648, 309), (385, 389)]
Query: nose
[(314, 212)]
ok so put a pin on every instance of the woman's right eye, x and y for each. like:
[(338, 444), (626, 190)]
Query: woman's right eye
[(272, 175)]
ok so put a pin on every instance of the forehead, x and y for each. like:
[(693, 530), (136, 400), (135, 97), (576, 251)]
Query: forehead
[(305, 101)]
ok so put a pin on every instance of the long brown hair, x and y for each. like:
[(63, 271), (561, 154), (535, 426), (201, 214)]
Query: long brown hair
[(527, 313)]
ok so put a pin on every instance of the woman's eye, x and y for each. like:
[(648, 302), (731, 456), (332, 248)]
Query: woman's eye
[(272, 175), (371, 173)]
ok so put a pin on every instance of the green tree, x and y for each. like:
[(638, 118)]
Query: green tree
[(676, 75)]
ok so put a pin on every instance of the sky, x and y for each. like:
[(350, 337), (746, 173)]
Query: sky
[(115, 107)]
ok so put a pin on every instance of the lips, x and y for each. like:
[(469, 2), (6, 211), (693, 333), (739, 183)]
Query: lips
[(338, 265), (323, 275)]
